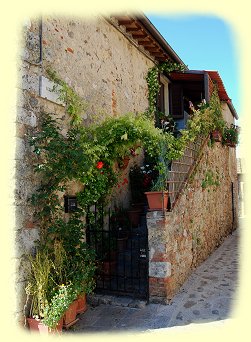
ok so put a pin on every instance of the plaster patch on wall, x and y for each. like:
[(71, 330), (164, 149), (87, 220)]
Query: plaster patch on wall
[(47, 90), (160, 269)]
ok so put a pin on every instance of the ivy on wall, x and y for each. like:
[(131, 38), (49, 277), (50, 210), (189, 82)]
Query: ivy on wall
[(211, 179), (153, 82), (90, 154)]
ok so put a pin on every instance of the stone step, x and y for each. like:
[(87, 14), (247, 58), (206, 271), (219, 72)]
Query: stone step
[(124, 301)]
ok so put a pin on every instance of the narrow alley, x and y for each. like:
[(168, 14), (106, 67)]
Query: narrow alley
[(208, 295)]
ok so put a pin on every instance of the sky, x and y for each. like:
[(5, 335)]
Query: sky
[(203, 43)]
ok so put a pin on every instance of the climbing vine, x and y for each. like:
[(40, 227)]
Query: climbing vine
[(211, 179), (74, 103), (89, 155), (153, 81), (204, 120)]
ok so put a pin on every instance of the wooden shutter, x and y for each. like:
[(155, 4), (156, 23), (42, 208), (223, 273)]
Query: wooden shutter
[(176, 101), (207, 87), (161, 99)]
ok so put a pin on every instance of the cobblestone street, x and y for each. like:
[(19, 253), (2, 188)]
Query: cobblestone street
[(207, 296)]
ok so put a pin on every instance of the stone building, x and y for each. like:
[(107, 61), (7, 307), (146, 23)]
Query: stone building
[(105, 60)]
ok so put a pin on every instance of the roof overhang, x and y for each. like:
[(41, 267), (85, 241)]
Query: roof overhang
[(215, 77), (146, 35)]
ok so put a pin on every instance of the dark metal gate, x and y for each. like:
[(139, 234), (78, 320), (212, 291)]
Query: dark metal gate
[(121, 243)]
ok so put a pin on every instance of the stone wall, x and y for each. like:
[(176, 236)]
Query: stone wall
[(204, 215), (227, 115), (99, 63), (102, 66)]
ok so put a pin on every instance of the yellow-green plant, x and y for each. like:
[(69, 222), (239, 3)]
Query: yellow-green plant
[(38, 286)]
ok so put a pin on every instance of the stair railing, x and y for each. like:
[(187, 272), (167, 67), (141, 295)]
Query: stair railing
[(182, 168)]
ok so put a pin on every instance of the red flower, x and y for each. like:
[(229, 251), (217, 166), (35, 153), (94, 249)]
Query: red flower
[(125, 181), (99, 165)]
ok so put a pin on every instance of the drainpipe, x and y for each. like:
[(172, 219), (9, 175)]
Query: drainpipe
[(233, 206), (40, 41)]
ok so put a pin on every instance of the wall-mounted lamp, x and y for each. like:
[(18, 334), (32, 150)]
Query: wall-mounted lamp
[(70, 204)]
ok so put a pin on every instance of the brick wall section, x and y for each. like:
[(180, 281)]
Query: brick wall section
[(180, 240)]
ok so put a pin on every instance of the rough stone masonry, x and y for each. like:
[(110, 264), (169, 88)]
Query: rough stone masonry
[(182, 239)]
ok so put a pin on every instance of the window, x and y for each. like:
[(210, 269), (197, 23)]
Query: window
[(163, 97)]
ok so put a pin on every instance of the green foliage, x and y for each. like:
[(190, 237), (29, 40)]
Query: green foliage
[(75, 106), (59, 304), (89, 155), (74, 261), (160, 183), (231, 134), (39, 283), (210, 179), (153, 82)]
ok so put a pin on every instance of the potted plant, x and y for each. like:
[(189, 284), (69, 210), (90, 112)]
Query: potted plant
[(74, 261), (38, 291), (107, 251), (126, 155), (63, 303), (134, 214), (157, 197), (120, 226), (231, 135), (217, 132), (83, 269), (140, 182)]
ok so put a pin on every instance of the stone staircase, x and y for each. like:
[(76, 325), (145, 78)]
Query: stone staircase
[(182, 168)]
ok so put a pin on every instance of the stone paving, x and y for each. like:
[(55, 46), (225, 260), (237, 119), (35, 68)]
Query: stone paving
[(207, 296)]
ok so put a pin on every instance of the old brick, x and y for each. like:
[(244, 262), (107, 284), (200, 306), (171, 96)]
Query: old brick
[(29, 224), (69, 49)]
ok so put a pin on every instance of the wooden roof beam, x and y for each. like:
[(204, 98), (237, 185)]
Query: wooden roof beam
[(145, 41), (125, 22), (152, 48), (134, 29), (137, 35), (157, 54)]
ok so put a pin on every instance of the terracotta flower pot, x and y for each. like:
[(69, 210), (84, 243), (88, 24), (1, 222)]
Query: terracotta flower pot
[(124, 163), (70, 315), (108, 267), (216, 135), (134, 216), (157, 200), (82, 305), (39, 326), (121, 243), (230, 143)]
